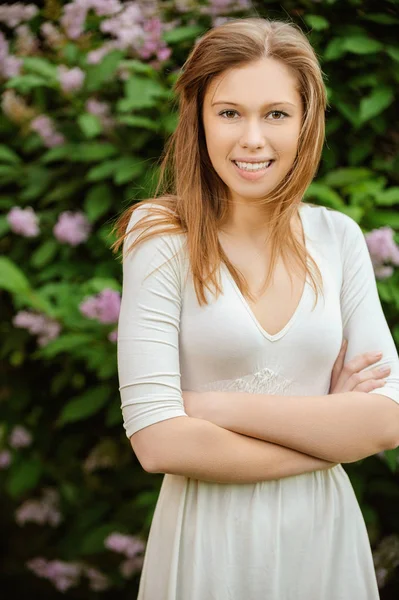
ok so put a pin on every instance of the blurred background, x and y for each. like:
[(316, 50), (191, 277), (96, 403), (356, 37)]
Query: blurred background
[(86, 108)]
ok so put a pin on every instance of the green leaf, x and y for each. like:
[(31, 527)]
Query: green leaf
[(335, 49), (44, 254), (345, 176), (40, 66), (362, 45), (12, 278), (379, 99), (325, 194), (8, 155), (381, 18), (388, 197), (98, 201), (317, 22), (90, 125), (24, 476), (181, 34), (103, 170), (138, 121), (129, 168), (391, 458), (86, 405), (64, 152), (66, 343), (26, 83), (93, 542), (103, 72), (141, 93), (92, 151), (393, 52)]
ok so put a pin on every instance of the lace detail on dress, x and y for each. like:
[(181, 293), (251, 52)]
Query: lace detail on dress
[(265, 381)]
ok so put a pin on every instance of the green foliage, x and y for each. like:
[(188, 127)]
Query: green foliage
[(65, 391)]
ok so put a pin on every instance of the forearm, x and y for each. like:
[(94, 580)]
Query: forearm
[(201, 450), (339, 428)]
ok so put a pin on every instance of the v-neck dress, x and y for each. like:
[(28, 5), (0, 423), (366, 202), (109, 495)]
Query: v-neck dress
[(297, 538)]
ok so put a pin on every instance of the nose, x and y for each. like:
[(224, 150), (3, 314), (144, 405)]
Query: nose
[(253, 135)]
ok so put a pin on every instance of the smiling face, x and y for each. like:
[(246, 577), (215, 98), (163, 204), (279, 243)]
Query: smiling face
[(252, 114)]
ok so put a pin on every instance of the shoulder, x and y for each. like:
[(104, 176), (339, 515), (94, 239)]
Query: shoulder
[(328, 222), (156, 219)]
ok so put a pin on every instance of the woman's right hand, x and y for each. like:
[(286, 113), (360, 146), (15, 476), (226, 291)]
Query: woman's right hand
[(351, 377)]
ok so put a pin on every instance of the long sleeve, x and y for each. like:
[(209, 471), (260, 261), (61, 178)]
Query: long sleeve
[(148, 330), (363, 320)]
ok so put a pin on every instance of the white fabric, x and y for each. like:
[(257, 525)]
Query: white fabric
[(297, 538)]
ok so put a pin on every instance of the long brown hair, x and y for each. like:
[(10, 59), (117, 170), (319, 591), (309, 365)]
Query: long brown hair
[(189, 186)]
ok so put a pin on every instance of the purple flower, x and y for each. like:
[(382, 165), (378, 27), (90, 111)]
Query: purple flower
[(44, 127), (383, 249), (16, 13), (10, 66), (130, 566), (95, 107), (23, 221), (104, 307), (105, 7), (5, 459), (113, 336), (52, 34), (72, 228), (71, 80), (37, 324), (128, 545), (63, 575), (98, 582), (42, 511), (26, 42), (20, 437), (73, 18)]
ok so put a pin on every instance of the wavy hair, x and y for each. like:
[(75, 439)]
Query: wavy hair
[(188, 185)]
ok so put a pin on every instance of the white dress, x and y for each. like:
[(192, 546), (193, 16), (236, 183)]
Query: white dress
[(297, 538)]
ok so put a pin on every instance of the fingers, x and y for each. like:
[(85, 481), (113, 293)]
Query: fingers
[(361, 362), (369, 375), (371, 384), (339, 363)]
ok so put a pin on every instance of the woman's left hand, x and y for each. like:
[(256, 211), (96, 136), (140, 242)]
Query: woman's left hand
[(195, 404)]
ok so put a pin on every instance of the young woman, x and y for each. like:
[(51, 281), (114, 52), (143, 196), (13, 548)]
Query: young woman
[(236, 299)]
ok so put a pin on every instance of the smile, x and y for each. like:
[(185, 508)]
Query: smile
[(252, 171)]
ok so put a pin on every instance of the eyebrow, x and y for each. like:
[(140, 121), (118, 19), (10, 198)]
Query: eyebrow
[(268, 104)]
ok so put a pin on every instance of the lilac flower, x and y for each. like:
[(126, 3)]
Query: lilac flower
[(15, 108), (104, 307), (95, 56), (16, 13), (73, 18), (100, 110), (99, 457), (72, 228), (130, 566), (5, 459), (383, 249), (52, 34), (63, 575), (98, 582), (105, 7), (23, 221), (20, 437), (42, 511), (113, 336), (128, 545), (26, 42), (126, 26), (37, 324), (71, 80), (10, 66), (44, 127)]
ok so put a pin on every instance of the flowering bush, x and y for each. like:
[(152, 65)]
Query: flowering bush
[(86, 109)]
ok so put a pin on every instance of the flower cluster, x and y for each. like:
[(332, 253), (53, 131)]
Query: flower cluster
[(45, 128), (383, 250), (44, 327), (23, 221), (104, 307), (41, 511), (65, 575), (19, 437), (17, 13), (72, 228), (132, 547), (10, 66)]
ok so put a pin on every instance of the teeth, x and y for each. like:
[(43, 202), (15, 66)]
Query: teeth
[(253, 166)]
